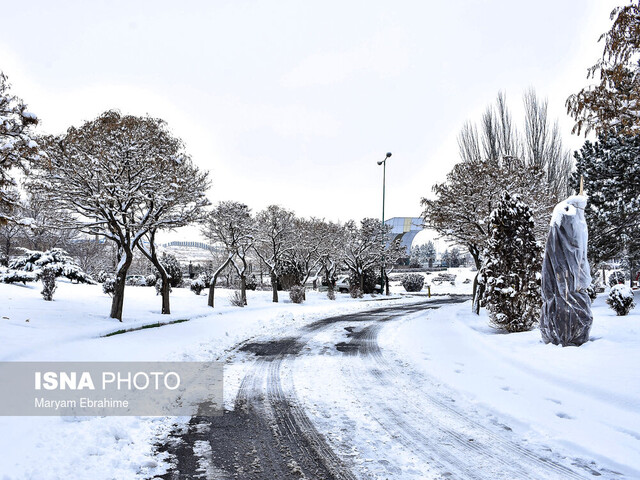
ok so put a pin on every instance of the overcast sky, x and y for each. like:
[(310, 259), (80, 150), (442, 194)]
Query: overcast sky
[(294, 102)]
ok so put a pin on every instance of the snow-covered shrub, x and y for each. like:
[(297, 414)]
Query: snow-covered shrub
[(444, 277), (251, 283), (16, 276), (138, 281), (466, 281), (296, 294), (102, 276), (74, 273), (511, 269), (370, 279), (616, 277), (236, 299), (206, 277), (109, 286), (48, 278), (57, 259), (4, 260), (197, 285), (172, 266), (621, 299), (591, 291), (413, 282), (150, 280), (355, 292)]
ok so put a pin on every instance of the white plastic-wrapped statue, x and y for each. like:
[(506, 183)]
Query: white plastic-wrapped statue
[(566, 307)]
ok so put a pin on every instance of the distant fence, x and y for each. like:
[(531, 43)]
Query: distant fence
[(202, 245)]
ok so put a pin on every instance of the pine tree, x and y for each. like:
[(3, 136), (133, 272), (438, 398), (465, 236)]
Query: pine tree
[(16, 142), (611, 172), (511, 270), (173, 268)]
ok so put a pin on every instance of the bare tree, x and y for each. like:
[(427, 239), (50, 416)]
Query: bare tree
[(614, 102), (230, 226), (103, 172), (308, 237), (393, 252), (274, 241), (43, 225), (91, 254), (364, 248), (544, 149), (538, 144), (331, 253), (175, 202)]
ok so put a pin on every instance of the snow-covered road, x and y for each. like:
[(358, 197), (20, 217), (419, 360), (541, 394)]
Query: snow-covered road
[(325, 401)]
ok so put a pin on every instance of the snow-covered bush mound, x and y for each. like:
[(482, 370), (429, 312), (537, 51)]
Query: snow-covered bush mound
[(9, 275), (56, 259), (251, 283), (616, 277), (296, 294), (109, 286), (621, 299), (412, 282), (444, 277), (197, 285)]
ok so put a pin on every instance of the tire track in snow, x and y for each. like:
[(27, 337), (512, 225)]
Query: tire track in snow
[(460, 446)]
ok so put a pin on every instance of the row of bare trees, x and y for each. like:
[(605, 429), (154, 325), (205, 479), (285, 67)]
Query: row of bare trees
[(126, 178), (280, 241)]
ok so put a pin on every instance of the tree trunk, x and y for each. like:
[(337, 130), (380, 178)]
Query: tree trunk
[(212, 288), (477, 290), (274, 287), (243, 288), (165, 289), (118, 295), (386, 283)]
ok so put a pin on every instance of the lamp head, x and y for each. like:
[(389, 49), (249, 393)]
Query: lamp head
[(388, 154), (380, 162)]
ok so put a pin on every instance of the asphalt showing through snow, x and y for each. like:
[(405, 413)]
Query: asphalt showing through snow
[(268, 434)]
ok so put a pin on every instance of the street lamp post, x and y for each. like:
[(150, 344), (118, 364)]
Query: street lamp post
[(384, 175)]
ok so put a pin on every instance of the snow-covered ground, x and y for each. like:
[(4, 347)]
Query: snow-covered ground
[(72, 328), (584, 400)]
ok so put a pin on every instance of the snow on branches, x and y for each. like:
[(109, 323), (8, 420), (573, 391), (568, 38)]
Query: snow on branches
[(17, 144), (615, 101), (59, 263), (123, 177)]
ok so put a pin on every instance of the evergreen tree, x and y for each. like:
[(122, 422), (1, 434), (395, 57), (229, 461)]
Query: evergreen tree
[(611, 172), (454, 257), (172, 267), (429, 253), (16, 143), (511, 270)]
